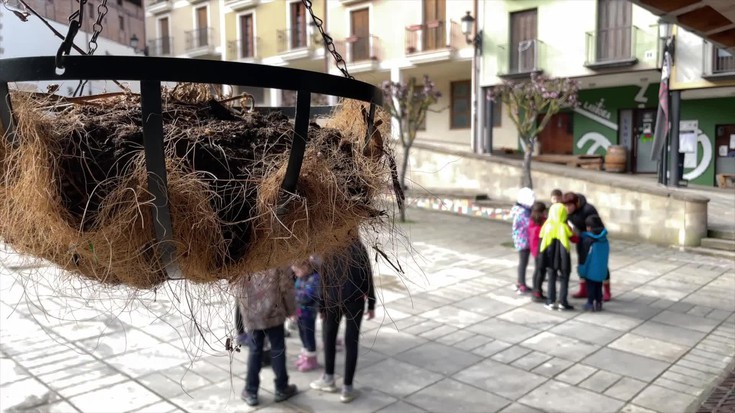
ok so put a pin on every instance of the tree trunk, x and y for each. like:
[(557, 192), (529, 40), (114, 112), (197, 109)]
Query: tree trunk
[(526, 181), (402, 177)]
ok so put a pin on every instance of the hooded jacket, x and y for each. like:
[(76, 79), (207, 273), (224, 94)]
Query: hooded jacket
[(267, 298), (555, 238), (597, 252), (521, 221), (534, 236), (348, 277), (578, 218)]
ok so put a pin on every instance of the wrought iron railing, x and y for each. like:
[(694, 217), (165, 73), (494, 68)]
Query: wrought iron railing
[(199, 38), (163, 46), (293, 38), (242, 48), (521, 57), (361, 48), (620, 45), (426, 37), (722, 61)]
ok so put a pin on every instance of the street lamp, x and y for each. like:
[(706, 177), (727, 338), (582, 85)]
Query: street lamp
[(134, 42), (476, 41), (467, 24), (665, 35)]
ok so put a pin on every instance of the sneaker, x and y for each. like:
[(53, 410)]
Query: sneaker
[(249, 399), (300, 360), (550, 306), (538, 298), (324, 385), (286, 393), (588, 307), (309, 363), (348, 394), (522, 289), (565, 307), (598, 306)]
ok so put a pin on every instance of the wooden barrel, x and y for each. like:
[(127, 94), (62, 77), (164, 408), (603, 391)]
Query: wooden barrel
[(616, 158)]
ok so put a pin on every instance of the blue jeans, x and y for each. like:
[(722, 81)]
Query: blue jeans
[(278, 358), (307, 328)]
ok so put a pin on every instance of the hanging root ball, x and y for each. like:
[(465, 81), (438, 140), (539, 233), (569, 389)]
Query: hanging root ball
[(75, 190)]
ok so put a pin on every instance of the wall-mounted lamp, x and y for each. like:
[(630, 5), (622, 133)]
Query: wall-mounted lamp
[(467, 24), (134, 42), (665, 33)]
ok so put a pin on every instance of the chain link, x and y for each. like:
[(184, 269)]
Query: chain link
[(328, 41), (102, 10)]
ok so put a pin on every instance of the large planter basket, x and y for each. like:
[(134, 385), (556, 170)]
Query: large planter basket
[(163, 224)]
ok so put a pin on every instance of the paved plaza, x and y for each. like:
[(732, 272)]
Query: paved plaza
[(450, 336)]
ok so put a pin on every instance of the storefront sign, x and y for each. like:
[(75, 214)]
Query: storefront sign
[(598, 109)]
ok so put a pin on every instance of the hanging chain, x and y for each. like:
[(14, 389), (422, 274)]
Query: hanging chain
[(75, 22), (102, 10), (328, 42)]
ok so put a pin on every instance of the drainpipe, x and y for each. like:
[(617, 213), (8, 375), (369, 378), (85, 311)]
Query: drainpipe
[(474, 124), (675, 162)]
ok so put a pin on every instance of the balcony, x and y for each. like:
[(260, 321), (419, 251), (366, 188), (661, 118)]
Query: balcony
[(238, 5), (200, 42), (717, 63), (433, 41), (243, 50), (621, 47), (163, 46), (295, 44), (362, 53), (521, 59), (159, 6)]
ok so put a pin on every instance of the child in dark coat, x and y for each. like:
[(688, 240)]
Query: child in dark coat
[(307, 299), (538, 217), (521, 212), (554, 251), (594, 269)]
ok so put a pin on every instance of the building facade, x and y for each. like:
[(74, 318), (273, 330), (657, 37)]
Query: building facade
[(613, 49)]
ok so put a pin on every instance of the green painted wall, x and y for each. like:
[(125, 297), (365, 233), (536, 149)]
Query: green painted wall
[(605, 103), (709, 113)]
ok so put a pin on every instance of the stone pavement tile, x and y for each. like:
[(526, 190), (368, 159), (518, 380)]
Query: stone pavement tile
[(121, 397), (519, 408), (440, 331), (389, 342), (385, 315), (554, 396), (220, 397), (505, 381), (702, 367), (719, 297), (636, 310), (401, 407), (586, 332), (283, 407), (148, 360), (551, 368), (396, 377), (452, 396), (118, 343), (472, 342), (610, 319), (86, 329), (438, 358), (632, 408), (60, 407), (531, 361), (11, 371), (23, 395), (51, 358), (718, 347), (626, 364), (455, 337), (713, 357), (484, 305), (560, 346), (679, 387), (77, 375), (77, 360), (699, 382), (167, 387), (533, 319), (89, 386), (409, 322), (454, 316), (575, 374), (511, 354), (369, 401), (718, 315), (664, 400), (161, 407), (688, 372), (649, 347), (721, 364), (503, 330), (491, 348), (662, 303), (669, 333), (600, 381), (700, 311), (38, 349), (625, 389), (507, 296)]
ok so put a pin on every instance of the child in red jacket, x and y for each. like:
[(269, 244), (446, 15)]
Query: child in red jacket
[(538, 217)]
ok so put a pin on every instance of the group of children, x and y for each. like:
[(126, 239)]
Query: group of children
[(268, 299), (547, 235)]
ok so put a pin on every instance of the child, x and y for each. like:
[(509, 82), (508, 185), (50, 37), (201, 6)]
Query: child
[(267, 299), (554, 252), (556, 196), (307, 298), (521, 216), (538, 217), (594, 268)]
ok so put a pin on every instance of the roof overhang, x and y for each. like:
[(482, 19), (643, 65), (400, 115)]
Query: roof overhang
[(713, 20)]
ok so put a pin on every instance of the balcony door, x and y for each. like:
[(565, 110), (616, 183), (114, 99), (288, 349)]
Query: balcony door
[(614, 30), (523, 33), (298, 25), (202, 29), (360, 39), (164, 37), (435, 12), (247, 38)]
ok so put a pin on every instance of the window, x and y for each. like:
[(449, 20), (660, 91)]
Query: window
[(614, 26), (121, 19), (202, 29), (298, 25), (164, 42), (460, 105), (434, 12), (360, 38), (497, 113), (247, 41), (91, 11)]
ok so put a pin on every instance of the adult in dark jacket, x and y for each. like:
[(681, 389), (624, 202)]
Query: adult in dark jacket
[(579, 210), (347, 284)]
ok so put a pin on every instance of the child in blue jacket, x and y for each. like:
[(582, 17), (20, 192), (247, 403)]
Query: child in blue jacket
[(594, 269), (307, 297)]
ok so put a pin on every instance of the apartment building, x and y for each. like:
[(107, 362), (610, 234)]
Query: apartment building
[(185, 28), (614, 49)]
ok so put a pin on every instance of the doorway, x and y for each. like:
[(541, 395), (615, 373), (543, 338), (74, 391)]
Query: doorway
[(557, 137), (360, 38), (644, 121), (724, 150), (523, 31)]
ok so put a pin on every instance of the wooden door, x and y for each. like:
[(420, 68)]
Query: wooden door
[(523, 33), (247, 43), (165, 38), (360, 21), (614, 30), (298, 25), (557, 137), (644, 121), (202, 32), (435, 12)]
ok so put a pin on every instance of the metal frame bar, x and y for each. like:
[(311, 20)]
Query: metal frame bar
[(6, 110)]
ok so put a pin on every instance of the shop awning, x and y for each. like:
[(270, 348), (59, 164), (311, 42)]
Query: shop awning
[(714, 20)]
